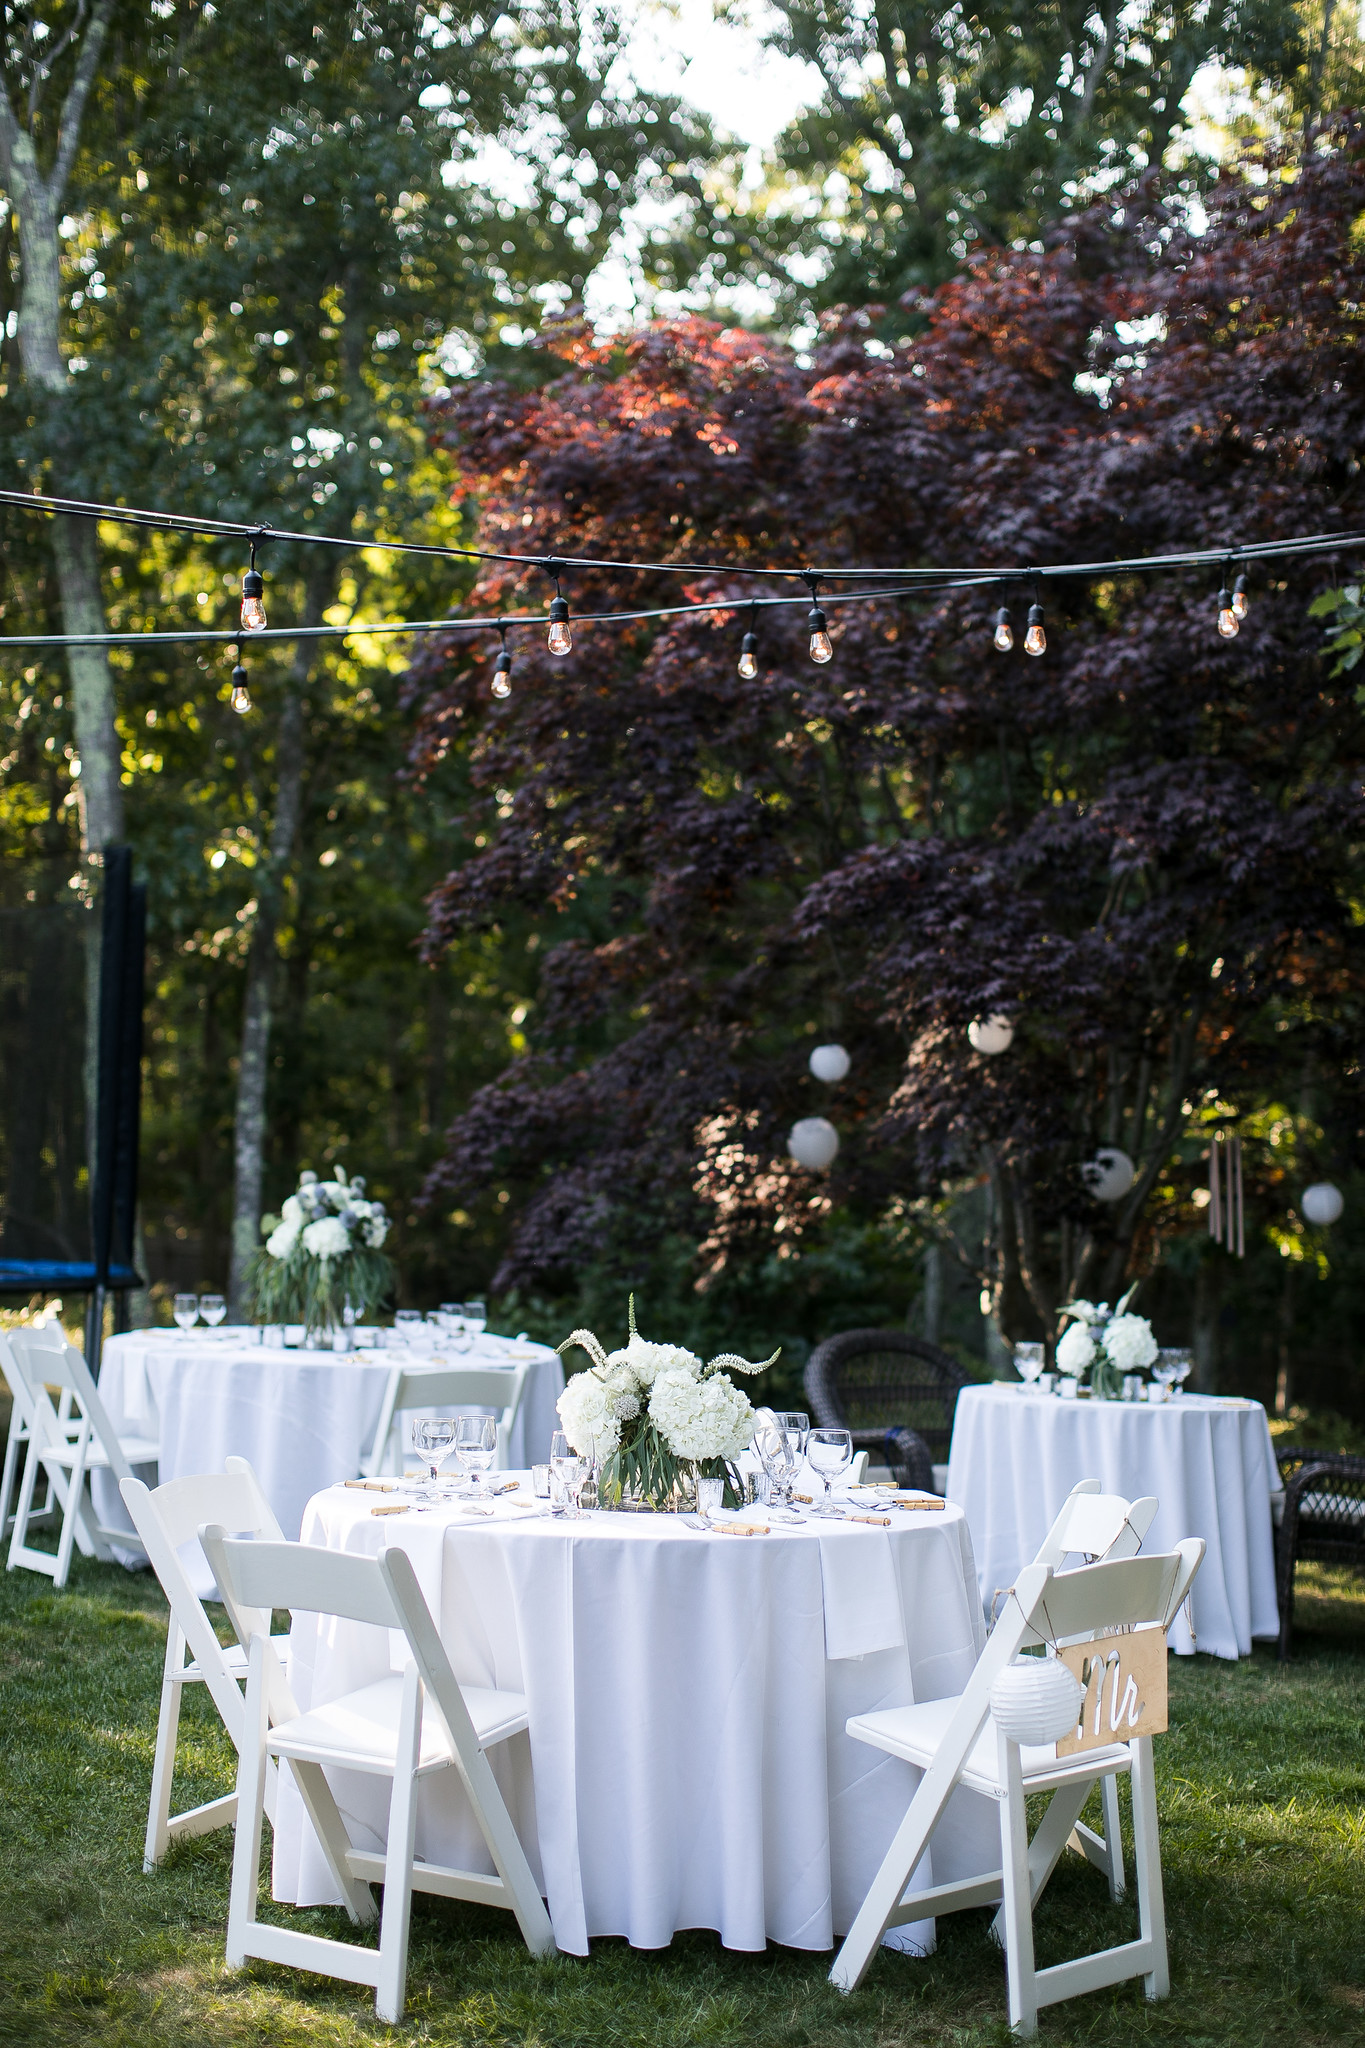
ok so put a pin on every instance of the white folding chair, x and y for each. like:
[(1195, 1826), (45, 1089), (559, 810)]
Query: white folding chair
[(956, 1742), (426, 1388), (1097, 1526), (405, 1728), (44, 1359), (165, 1519), (54, 1484)]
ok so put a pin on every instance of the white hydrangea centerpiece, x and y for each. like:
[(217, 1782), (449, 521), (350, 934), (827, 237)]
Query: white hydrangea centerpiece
[(652, 1415), (1107, 1343), (322, 1253)]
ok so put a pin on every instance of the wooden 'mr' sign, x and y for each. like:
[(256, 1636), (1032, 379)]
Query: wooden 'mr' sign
[(1125, 1689)]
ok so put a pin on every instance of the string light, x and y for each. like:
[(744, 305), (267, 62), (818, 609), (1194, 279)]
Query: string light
[(1004, 630), (241, 695), (748, 652), (821, 646), (253, 596), (1239, 598), (502, 671), (1227, 616), (1035, 639), (560, 639)]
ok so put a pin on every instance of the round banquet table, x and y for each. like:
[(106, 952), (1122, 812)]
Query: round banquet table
[(1016, 1455), (685, 1763), (303, 1419)]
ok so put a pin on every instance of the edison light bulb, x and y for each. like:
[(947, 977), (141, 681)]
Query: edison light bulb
[(1004, 631), (502, 675), (560, 639), (748, 658), (1035, 640), (821, 646), (1239, 598), (1227, 617), (241, 696), (253, 610)]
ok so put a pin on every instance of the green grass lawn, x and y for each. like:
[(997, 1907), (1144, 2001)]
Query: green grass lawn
[(1262, 1785)]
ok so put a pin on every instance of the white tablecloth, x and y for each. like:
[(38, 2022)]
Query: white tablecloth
[(1016, 1455), (303, 1419), (686, 1763)]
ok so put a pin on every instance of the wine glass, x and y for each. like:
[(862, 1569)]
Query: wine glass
[(450, 1316), (829, 1452), (796, 1427), (406, 1322), (1164, 1371), (433, 1438), (1028, 1360), (476, 1445), (775, 1454), (476, 1317), (212, 1308), (186, 1310), (1184, 1367)]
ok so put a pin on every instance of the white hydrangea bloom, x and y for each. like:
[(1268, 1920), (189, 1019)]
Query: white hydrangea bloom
[(1076, 1351), (292, 1211), (645, 1361), (699, 1418), (328, 1238), (1130, 1343), (586, 1411), (283, 1239), (374, 1230)]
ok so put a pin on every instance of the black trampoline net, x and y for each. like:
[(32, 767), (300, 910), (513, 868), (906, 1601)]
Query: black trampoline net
[(49, 982)]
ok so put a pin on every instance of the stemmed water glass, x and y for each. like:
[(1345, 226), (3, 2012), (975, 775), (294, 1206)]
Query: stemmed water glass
[(1165, 1370), (775, 1453), (1028, 1361), (212, 1308), (567, 1467), (476, 1446), (185, 1309), (406, 1321), (476, 1317), (433, 1437), (829, 1452)]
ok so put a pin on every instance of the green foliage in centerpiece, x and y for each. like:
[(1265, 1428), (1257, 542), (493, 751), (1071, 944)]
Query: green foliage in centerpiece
[(655, 1418), (321, 1253)]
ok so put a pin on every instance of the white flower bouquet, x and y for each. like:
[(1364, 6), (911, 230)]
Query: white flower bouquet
[(323, 1250), (652, 1415), (1105, 1342)]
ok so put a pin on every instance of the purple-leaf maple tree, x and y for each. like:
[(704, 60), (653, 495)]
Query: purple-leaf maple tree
[(1140, 847)]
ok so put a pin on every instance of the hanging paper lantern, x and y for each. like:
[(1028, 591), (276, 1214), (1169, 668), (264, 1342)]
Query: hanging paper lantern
[(1036, 1700), (829, 1063), (991, 1034), (1110, 1174), (1322, 1203), (814, 1143)]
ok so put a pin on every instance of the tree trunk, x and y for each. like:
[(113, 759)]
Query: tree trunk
[(263, 960)]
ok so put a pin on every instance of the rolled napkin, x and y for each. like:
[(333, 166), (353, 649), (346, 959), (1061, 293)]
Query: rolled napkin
[(372, 1485), (739, 1528)]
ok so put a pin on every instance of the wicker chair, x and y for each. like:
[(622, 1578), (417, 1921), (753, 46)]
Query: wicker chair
[(896, 1393), (1324, 1518)]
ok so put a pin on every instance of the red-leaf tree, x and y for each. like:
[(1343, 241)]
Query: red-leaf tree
[(1141, 848)]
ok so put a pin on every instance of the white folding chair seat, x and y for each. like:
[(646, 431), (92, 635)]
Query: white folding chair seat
[(44, 1359), (404, 1728), (423, 1389), (165, 1520), (956, 1742)]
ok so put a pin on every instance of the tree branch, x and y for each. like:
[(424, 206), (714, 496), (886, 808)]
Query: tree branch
[(78, 92)]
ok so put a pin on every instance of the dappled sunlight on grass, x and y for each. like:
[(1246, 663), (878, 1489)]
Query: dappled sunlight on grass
[(1262, 1788)]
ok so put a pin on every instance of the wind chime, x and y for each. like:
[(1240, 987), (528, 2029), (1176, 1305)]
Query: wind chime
[(1227, 1223)]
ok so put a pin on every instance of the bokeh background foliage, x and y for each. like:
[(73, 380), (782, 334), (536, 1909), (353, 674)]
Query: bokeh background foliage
[(549, 973)]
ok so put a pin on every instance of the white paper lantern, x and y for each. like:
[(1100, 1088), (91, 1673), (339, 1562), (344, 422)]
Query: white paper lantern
[(1036, 1700), (814, 1142), (991, 1034), (1110, 1174), (1322, 1203), (829, 1063)]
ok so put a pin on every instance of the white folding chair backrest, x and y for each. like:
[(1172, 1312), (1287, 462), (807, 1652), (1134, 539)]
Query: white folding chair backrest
[(1096, 1526), (383, 1590), (1129, 1592), (421, 1389), (50, 1361)]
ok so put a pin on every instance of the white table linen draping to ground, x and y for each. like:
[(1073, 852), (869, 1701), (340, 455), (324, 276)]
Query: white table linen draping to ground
[(686, 1762), (1016, 1455), (303, 1419)]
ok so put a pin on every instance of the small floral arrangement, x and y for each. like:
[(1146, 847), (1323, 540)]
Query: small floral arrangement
[(653, 1415), (1105, 1342), (323, 1253)]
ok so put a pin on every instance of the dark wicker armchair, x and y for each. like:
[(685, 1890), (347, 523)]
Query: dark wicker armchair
[(896, 1393), (1324, 1518)]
